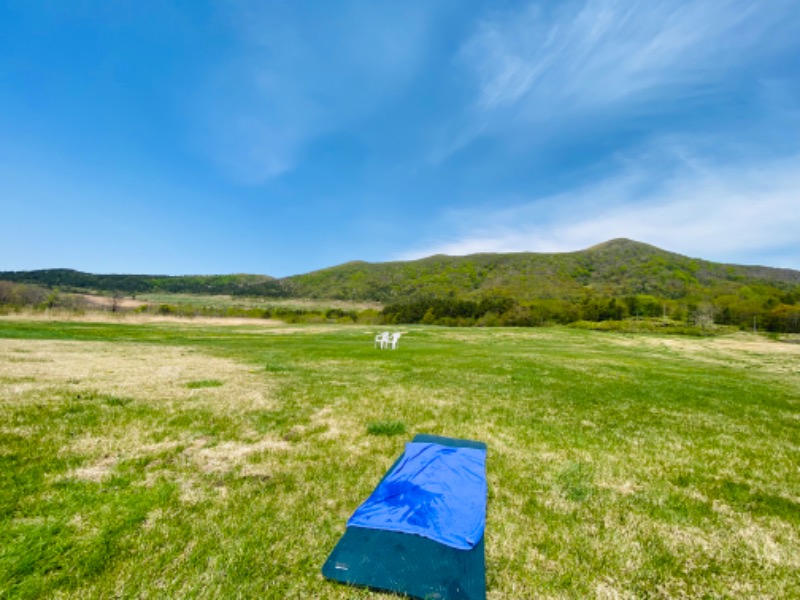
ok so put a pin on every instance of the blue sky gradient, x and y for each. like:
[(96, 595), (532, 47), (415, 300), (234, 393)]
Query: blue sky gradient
[(282, 137)]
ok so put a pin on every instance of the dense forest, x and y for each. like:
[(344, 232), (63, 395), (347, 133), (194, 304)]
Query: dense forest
[(616, 268), (614, 281), (75, 281)]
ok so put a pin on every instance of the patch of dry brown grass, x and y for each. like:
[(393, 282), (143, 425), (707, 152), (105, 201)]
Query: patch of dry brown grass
[(146, 373), (103, 316), (32, 371), (97, 471), (741, 349), (226, 456)]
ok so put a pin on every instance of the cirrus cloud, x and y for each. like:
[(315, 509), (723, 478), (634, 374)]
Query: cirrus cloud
[(672, 199)]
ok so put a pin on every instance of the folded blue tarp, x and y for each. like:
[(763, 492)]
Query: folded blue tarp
[(409, 563), (436, 491)]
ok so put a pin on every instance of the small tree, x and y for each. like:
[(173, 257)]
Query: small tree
[(704, 315), (52, 298)]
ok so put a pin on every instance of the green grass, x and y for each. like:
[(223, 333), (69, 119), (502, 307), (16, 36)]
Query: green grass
[(386, 428), (222, 301), (204, 383), (634, 465)]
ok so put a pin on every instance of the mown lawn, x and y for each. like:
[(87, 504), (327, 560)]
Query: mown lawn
[(206, 461)]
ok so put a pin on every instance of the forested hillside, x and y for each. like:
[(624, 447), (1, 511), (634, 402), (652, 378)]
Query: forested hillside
[(70, 280), (615, 268), (612, 281)]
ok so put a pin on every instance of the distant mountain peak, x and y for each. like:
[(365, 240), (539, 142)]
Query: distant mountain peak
[(621, 243)]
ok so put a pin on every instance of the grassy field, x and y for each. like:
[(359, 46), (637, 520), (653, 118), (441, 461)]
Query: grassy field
[(201, 460), (218, 301)]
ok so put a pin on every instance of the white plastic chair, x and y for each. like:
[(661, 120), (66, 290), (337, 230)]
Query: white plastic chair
[(382, 339), (393, 341)]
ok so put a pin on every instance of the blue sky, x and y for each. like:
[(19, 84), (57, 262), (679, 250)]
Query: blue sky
[(282, 137)]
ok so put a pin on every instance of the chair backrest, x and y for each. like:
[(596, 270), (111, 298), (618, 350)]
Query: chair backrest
[(394, 339)]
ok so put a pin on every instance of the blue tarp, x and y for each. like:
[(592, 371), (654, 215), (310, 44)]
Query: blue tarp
[(435, 491)]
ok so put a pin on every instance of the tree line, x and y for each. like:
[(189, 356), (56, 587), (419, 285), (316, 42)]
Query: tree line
[(777, 314), (760, 307), (70, 280)]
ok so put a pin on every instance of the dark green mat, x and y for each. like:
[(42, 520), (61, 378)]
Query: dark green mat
[(409, 564)]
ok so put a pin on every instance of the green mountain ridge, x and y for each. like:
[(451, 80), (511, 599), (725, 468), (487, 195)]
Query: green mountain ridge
[(617, 268), (71, 280)]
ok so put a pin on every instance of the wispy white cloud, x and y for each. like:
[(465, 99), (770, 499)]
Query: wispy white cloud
[(550, 71), (670, 198), (580, 75), (591, 54), (295, 76)]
